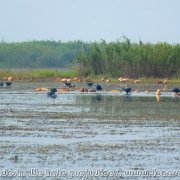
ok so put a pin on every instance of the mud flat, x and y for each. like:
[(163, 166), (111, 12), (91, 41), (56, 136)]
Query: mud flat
[(88, 132)]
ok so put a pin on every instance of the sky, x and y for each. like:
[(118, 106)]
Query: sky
[(90, 20)]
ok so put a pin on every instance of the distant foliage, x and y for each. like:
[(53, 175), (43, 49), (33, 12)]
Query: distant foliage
[(120, 58), (38, 54)]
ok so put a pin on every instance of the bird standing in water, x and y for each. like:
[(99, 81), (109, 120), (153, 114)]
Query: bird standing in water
[(8, 83), (127, 90), (98, 87), (52, 93), (176, 91), (68, 84), (89, 83), (158, 92)]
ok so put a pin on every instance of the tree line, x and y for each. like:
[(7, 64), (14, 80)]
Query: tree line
[(38, 54), (114, 59)]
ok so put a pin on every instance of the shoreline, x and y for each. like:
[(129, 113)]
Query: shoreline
[(36, 75)]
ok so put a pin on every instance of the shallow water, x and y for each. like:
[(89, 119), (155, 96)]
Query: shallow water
[(81, 132)]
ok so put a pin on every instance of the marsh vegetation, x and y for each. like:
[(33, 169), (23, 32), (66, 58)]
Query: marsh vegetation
[(112, 59)]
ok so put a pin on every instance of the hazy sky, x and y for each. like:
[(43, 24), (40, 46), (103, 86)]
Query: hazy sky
[(90, 20)]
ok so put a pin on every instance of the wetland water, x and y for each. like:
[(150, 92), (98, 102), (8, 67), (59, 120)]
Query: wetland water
[(79, 132)]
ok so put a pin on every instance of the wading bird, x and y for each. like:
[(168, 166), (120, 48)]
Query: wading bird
[(89, 83), (158, 92), (8, 83), (68, 84), (127, 90), (98, 87), (176, 90), (1, 83), (52, 93)]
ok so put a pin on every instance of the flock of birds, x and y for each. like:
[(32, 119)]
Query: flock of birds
[(68, 86), (52, 92)]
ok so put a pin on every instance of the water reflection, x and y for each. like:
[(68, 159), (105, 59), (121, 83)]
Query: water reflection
[(176, 98), (158, 98), (98, 97), (127, 107), (127, 97)]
